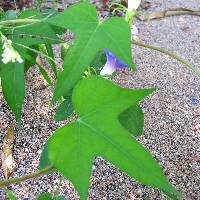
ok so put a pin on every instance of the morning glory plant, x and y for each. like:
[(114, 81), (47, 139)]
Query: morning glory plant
[(113, 63), (108, 117)]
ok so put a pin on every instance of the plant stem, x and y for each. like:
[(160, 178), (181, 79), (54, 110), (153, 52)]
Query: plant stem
[(17, 21), (171, 54), (35, 51), (23, 178)]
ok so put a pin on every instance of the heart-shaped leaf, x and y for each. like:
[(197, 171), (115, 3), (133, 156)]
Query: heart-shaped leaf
[(91, 36), (98, 132)]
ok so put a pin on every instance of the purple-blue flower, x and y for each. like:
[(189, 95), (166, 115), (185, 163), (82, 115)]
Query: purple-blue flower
[(113, 63)]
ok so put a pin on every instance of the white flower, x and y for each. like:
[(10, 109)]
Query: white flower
[(133, 5), (9, 53)]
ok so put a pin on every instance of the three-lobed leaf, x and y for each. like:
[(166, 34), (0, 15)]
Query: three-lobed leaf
[(91, 36), (98, 132)]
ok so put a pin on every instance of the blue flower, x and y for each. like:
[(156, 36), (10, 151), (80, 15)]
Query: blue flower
[(113, 63)]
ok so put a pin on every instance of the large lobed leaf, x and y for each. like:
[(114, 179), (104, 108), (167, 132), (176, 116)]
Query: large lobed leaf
[(98, 132), (91, 36)]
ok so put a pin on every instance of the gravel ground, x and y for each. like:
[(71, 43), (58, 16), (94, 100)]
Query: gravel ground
[(172, 117)]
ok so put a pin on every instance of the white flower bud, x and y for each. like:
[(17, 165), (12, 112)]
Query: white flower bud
[(9, 53), (133, 5)]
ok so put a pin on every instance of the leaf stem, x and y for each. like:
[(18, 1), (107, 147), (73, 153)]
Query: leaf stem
[(18, 21), (171, 54), (25, 177)]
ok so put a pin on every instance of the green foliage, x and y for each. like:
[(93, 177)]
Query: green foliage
[(90, 37), (10, 195), (28, 36), (10, 15), (49, 196), (97, 132), (12, 82), (44, 158), (47, 50), (35, 33), (99, 61), (64, 49), (28, 56), (45, 74), (64, 110), (45, 196), (133, 120), (108, 116)]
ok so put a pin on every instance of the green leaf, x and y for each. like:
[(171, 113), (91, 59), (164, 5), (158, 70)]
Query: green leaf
[(45, 196), (91, 36), (31, 14), (28, 56), (48, 50), (99, 61), (10, 195), (133, 120), (60, 198), (98, 132), (64, 110), (64, 50), (12, 82), (49, 196), (34, 33), (38, 33), (10, 15), (44, 158), (45, 74), (50, 53)]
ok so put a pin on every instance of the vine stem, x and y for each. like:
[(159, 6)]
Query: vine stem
[(17, 21), (171, 54), (25, 177)]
